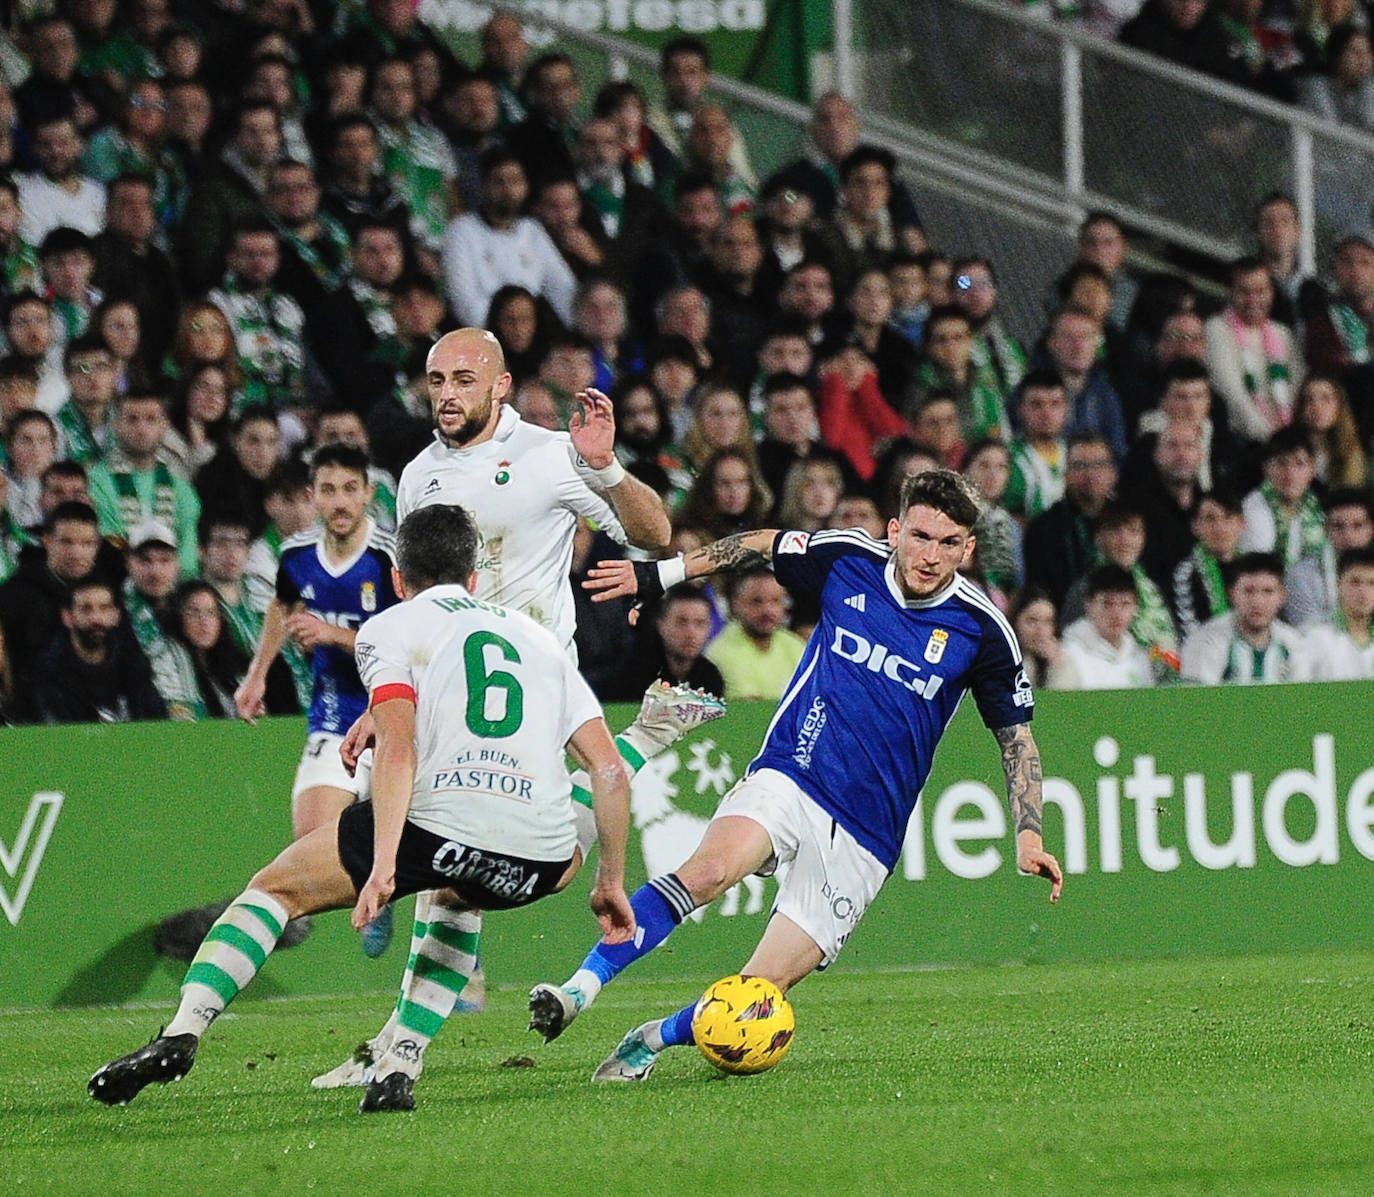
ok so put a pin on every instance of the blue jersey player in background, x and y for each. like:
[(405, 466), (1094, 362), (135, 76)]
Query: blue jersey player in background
[(330, 580), (902, 637)]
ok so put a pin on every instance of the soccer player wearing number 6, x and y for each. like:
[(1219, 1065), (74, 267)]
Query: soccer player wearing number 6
[(902, 637), (474, 706), (526, 488)]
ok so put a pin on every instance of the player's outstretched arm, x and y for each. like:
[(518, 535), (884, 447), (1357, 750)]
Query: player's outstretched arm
[(248, 698), (393, 779), (636, 505), (592, 746), (1021, 765), (648, 579)]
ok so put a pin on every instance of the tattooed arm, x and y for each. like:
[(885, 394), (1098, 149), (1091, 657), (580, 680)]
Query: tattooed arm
[(646, 579), (1021, 765), (741, 551)]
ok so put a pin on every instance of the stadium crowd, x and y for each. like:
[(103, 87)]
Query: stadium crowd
[(1315, 53), (1311, 52), (229, 234)]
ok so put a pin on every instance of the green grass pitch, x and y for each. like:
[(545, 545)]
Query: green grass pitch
[(1235, 1076)]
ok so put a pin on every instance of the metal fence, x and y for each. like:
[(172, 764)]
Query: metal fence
[(1007, 129), (967, 206), (1094, 124)]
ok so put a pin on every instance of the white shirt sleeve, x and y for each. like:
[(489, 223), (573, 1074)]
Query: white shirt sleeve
[(579, 703), (404, 504), (1306, 659), (383, 655), (1143, 670), (1314, 658), (577, 496)]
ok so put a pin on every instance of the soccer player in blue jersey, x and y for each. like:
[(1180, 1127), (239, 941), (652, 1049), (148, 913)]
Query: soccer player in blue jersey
[(330, 580), (902, 637)]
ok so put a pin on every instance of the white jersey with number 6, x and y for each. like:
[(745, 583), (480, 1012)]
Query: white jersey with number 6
[(496, 700)]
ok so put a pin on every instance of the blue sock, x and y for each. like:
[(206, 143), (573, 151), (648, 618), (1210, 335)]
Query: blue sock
[(677, 1028), (659, 906)]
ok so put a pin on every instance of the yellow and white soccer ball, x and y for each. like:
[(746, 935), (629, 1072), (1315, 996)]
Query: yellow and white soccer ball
[(743, 1024)]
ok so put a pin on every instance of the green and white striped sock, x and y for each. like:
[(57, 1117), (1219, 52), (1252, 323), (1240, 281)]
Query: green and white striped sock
[(442, 964), (229, 957), (423, 903), (382, 1040), (635, 748)]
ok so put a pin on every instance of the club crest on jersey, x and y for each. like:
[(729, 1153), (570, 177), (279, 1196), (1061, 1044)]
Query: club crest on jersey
[(935, 649), (502, 475), (367, 598)]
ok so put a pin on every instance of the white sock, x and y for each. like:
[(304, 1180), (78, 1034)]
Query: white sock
[(586, 981), (636, 744), (653, 1035)]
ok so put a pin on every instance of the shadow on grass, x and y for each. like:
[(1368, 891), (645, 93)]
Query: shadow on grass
[(122, 973)]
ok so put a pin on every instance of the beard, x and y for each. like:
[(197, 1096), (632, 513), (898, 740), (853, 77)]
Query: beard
[(92, 640), (642, 446), (500, 211), (473, 425)]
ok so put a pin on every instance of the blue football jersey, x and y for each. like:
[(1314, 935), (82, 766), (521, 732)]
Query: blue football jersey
[(345, 596), (880, 681)]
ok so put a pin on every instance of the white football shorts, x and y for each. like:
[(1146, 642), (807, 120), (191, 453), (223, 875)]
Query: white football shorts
[(826, 878), (321, 765)]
